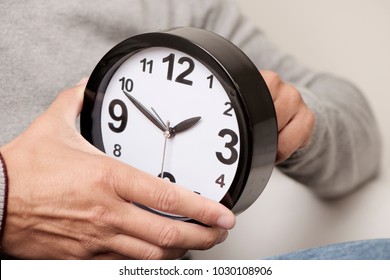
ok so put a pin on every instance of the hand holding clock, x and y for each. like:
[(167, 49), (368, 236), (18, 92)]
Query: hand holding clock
[(66, 199), (69, 200), (295, 119)]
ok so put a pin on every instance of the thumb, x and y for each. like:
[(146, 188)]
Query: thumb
[(68, 104)]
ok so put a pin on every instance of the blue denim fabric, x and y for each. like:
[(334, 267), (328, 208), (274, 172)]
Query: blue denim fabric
[(374, 249)]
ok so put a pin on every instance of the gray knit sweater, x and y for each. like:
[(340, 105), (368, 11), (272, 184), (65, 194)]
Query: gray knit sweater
[(49, 45)]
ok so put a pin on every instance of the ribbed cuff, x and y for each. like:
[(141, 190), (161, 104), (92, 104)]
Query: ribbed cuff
[(3, 195)]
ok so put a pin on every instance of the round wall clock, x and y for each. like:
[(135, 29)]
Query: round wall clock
[(188, 106)]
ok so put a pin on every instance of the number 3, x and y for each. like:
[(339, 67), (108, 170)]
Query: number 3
[(229, 145)]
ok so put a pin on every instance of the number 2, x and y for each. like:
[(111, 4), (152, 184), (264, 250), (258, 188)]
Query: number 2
[(227, 112)]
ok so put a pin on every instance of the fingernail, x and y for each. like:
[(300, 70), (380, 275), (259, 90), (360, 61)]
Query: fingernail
[(226, 221), (83, 81)]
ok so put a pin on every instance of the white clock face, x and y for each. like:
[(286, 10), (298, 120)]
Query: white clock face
[(158, 88)]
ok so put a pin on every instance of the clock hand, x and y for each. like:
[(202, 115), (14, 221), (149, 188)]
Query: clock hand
[(170, 132), (160, 119), (184, 125), (146, 112), (166, 136), (180, 127)]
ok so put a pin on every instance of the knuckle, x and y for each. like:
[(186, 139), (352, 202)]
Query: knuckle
[(203, 215), (270, 75), (274, 76), (168, 237), (294, 95), (105, 175), (99, 216), (153, 253), (271, 78), (167, 199)]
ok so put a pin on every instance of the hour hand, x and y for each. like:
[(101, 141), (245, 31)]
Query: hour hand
[(186, 124), (146, 112)]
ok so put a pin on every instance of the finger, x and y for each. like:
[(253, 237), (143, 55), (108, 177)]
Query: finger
[(295, 135), (134, 248), (83, 81), (273, 82), (164, 232), (287, 105), (134, 185), (284, 113), (68, 103)]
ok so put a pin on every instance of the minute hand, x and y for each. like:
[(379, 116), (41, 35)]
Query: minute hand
[(146, 112)]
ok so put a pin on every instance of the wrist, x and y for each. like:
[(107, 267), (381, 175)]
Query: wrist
[(3, 195)]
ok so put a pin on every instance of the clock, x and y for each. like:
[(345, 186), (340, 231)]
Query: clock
[(188, 106)]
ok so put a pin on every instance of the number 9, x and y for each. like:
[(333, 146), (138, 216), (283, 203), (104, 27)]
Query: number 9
[(122, 117)]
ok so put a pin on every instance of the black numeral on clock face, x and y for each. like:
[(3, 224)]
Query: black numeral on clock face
[(211, 80), (229, 145), (181, 78), (126, 84), (117, 150), (221, 181), (227, 112), (147, 65), (121, 117)]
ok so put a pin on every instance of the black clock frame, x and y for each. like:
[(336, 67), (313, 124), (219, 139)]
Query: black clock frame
[(242, 81)]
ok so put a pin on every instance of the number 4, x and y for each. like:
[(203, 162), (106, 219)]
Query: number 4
[(221, 180)]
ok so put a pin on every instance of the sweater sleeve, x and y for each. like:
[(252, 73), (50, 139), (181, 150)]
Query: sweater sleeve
[(345, 149)]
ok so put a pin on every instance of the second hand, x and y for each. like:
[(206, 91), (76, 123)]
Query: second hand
[(166, 136)]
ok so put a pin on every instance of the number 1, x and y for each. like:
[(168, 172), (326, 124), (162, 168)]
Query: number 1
[(211, 78)]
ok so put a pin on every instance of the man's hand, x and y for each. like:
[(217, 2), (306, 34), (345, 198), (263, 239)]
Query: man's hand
[(68, 200), (295, 120)]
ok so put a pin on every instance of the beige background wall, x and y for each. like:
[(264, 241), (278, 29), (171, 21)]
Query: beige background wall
[(350, 38)]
